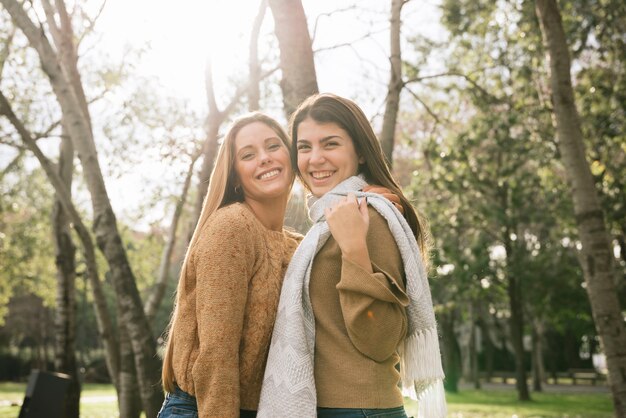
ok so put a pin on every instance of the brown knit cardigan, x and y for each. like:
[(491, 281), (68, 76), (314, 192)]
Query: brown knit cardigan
[(360, 319), (226, 310)]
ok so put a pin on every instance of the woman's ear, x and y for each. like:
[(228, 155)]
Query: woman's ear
[(361, 159)]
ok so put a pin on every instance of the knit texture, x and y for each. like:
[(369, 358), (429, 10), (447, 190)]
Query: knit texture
[(226, 310), (289, 384), (360, 319)]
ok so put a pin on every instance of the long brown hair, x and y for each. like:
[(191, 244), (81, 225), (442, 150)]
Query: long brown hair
[(222, 192), (330, 108)]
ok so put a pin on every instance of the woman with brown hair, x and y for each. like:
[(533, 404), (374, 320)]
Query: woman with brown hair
[(355, 321)]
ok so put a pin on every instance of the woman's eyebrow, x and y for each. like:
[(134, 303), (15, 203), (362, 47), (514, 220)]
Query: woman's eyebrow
[(325, 139)]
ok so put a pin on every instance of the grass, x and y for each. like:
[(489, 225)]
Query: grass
[(465, 404), (504, 404)]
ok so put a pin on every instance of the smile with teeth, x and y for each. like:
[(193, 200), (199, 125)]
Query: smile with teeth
[(269, 174), (321, 175)]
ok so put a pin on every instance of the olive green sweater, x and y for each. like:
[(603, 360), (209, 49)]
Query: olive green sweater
[(360, 319), (226, 310)]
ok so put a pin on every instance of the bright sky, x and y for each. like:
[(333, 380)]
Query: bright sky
[(183, 35)]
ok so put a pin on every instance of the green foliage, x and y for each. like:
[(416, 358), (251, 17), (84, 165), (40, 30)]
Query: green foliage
[(26, 247), (490, 180)]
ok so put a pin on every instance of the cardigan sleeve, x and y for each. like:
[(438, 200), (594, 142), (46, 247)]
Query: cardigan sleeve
[(224, 260), (373, 304)]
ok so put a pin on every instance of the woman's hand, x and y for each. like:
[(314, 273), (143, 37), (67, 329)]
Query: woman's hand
[(349, 221), (387, 194)]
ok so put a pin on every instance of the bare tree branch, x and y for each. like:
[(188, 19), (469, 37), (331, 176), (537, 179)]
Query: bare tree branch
[(368, 35), (210, 90), (13, 163), (47, 132), (156, 296), (460, 75), (328, 14), (6, 50), (55, 30), (428, 109), (91, 23), (6, 141)]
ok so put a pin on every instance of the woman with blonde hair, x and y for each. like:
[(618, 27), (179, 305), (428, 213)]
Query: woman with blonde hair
[(355, 321), (231, 277)]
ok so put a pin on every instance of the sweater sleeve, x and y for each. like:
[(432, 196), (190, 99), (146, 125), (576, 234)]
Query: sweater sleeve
[(373, 304), (224, 262)]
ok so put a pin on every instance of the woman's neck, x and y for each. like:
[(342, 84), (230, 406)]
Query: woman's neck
[(271, 213)]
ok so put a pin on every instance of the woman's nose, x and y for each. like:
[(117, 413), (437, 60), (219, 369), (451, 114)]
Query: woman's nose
[(316, 157), (265, 158)]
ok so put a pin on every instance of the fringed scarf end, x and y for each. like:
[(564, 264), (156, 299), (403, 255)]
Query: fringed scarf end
[(420, 357)]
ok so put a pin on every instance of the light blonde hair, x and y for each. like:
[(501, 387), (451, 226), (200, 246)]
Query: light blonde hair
[(224, 189)]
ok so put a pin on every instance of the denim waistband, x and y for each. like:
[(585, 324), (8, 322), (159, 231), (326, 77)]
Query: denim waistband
[(181, 394)]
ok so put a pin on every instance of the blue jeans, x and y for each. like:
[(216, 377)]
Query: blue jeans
[(361, 413), (180, 404)]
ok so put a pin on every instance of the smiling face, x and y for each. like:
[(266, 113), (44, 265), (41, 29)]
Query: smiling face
[(326, 155), (262, 163)]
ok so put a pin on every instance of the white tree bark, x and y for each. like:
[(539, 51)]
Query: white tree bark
[(254, 68), (65, 312), (597, 252), (104, 225), (103, 319)]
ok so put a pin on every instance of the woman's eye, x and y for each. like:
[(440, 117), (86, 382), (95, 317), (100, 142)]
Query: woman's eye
[(247, 156), (331, 144), (274, 147), (303, 147)]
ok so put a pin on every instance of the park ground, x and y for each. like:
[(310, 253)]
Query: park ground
[(492, 401)]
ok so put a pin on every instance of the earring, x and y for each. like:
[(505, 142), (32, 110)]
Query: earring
[(237, 189)]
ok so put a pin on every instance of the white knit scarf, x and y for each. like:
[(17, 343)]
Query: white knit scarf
[(289, 384)]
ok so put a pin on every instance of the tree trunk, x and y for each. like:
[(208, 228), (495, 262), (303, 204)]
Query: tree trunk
[(156, 295), (597, 253), (254, 67), (488, 345), (214, 120), (104, 225), (299, 80), (516, 321), (65, 260), (103, 319), (538, 369), (208, 161), (473, 351), (128, 399), (451, 351), (394, 88)]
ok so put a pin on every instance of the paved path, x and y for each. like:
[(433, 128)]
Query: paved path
[(548, 388)]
